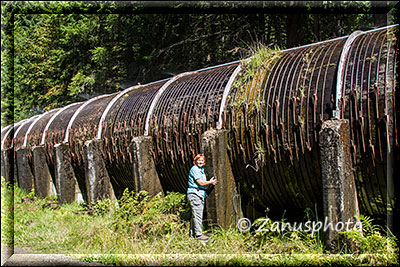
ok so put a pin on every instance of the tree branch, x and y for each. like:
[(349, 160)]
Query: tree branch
[(189, 40)]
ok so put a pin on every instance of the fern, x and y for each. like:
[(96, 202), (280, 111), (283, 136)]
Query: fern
[(372, 239)]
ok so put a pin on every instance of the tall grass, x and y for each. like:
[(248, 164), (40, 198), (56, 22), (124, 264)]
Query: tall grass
[(144, 230)]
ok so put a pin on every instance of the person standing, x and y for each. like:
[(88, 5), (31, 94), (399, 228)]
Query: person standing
[(196, 194)]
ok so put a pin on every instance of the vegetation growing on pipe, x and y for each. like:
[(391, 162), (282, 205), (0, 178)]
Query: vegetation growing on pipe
[(252, 68)]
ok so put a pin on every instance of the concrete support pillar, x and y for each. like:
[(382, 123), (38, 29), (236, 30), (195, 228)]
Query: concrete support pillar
[(7, 165), (24, 173), (144, 169), (98, 185), (44, 185), (340, 203), (67, 185), (223, 203)]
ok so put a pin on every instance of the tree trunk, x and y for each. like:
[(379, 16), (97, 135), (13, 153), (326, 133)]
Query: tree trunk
[(293, 30), (379, 19)]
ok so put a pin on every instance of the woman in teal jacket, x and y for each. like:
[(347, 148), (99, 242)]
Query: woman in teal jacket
[(196, 193)]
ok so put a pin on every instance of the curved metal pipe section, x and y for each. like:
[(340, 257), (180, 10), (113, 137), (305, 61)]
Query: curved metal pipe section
[(7, 137), (19, 135), (82, 126), (125, 120), (31, 132), (54, 132), (187, 107), (90, 115), (273, 123), (5, 132), (225, 95), (33, 135), (369, 103), (49, 123)]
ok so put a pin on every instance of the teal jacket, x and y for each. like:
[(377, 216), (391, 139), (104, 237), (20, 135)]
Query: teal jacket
[(197, 173)]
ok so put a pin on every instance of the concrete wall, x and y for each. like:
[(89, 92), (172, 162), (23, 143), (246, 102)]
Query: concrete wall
[(67, 185), (24, 173), (97, 180), (223, 203), (144, 169), (43, 182), (338, 186)]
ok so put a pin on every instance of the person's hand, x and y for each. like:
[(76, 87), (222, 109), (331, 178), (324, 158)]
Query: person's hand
[(213, 181)]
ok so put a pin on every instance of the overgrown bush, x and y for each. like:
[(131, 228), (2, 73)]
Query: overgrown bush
[(141, 216), (372, 239)]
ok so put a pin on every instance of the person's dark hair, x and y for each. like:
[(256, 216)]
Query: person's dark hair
[(197, 157)]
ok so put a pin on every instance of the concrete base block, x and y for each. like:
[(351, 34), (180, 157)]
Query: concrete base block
[(43, 182), (97, 180), (65, 178), (144, 169), (223, 203), (338, 184), (24, 173), (7, 165)]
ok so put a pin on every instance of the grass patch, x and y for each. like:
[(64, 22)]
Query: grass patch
[(261, 60), (7, 214), (143, 230)]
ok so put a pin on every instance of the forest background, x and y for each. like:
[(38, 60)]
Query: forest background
[(54, 53)]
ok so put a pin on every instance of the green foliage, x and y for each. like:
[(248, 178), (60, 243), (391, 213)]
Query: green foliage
[(105, 206), (277, 237), (7, 216), (140, 215), (259, 55), (372, 239), (132, 204), (155, 234)]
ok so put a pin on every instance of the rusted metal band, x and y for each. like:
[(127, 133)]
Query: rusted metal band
[(225, 95), (110, 104), (19, 128), (71, 121), (8, 132), (5, 130), (157, 97), (340, 73), (52, 119), (31, 127)]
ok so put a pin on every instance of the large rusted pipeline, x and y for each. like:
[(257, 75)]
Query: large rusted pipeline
[(275, 120), (272, 122)]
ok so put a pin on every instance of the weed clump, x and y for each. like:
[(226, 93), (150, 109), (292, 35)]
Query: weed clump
[(372, 239), (142, 216), (139, 229), (262, 58)]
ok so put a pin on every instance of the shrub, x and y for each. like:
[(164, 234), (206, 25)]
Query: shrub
[(138, 215), (372, 239)]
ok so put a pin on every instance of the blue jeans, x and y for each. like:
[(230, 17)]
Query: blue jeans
[(197, 205)]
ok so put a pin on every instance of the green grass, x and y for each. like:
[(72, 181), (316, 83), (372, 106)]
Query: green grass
[(155, 231)]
